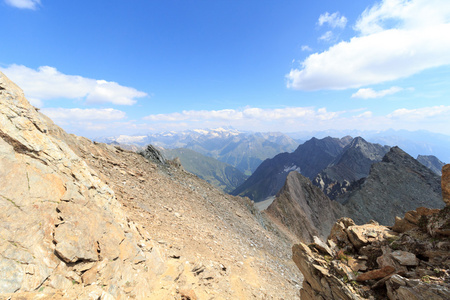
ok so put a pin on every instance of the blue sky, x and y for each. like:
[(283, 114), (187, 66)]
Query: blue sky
[(101, 68)]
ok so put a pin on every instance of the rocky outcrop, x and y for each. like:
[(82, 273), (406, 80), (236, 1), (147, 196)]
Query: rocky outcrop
[(398, 182), (153, 154), (59, 221), (373, 262), (304, 209), (432, 163)]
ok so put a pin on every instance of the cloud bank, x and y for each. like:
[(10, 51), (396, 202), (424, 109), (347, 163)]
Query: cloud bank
[(396, 39), (48, 83), (291, 119)]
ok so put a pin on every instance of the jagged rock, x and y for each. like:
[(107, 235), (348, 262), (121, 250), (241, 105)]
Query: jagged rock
[(318, 282), (361, 235), (321, 246), (339, 235), (153, 154), (445, 182)]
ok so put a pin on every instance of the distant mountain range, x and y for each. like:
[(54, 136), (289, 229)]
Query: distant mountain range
[(219, 174), (242, 150)]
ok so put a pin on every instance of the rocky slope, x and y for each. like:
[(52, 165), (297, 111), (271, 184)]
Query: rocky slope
[(432, 163), (352, 164), (82, 220), (303, 209), (399, 183), (374, 262), (308, 159)]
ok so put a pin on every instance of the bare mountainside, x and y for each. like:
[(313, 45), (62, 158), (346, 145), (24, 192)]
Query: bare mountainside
[(81, 220)]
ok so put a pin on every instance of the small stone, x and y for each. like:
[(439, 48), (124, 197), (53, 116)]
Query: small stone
[(397, 279), (405, 258)]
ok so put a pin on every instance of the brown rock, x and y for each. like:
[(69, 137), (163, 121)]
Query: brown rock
[(376, 274), (445, 184), (361, 235), (318, 282), (402, 225)]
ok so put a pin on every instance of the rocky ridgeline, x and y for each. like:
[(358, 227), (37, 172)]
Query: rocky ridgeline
[(410, 260), (81, 220)]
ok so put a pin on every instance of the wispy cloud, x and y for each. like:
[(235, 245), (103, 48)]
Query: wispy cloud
[(370, 93), (306, 48), (48, 83), (396, 39), (333, 20), (327, 36), (24, 4)]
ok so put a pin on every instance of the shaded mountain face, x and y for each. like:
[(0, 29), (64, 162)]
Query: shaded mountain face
[(304, 209), (432, 163), (308, 159), (219, 174), (395, 185), (244, 151), (352, 164)]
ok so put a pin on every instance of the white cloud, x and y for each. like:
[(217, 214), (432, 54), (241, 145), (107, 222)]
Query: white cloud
[(306, 48), (370, 93), (47, 83), (413, 115), (334, 20), (327, 36), (25, 4), (396, 39), (79, 114)]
